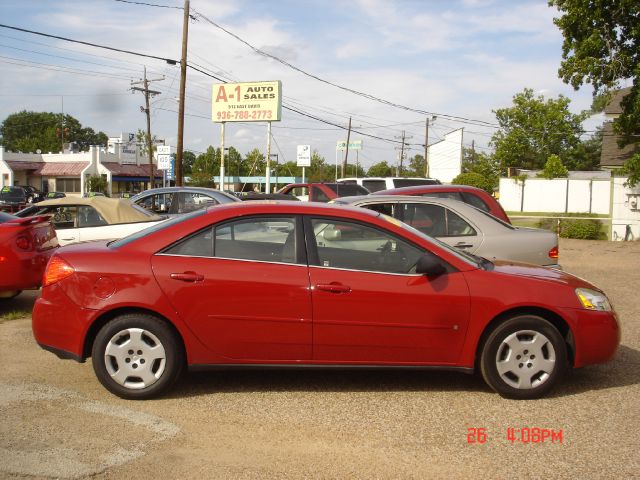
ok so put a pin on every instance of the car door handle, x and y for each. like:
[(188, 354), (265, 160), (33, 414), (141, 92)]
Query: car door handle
[(187, 277), (333, 287), (463, 245)]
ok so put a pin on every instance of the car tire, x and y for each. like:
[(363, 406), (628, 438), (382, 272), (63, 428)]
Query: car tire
[(523, 357), (137, 356)]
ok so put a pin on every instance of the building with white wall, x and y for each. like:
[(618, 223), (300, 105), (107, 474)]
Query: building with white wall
[(121, 163)]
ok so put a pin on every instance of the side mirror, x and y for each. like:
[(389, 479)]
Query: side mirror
[(430, 265)]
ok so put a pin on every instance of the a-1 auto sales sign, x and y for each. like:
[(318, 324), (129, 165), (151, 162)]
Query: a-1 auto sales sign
[(247, 102)]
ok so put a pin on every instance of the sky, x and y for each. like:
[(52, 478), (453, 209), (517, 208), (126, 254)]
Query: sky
[(458, 60)]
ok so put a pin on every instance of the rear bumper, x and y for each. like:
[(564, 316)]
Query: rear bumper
[(59, 325)]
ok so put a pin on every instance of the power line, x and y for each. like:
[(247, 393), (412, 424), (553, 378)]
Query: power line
[(149, 4), (168, 60)]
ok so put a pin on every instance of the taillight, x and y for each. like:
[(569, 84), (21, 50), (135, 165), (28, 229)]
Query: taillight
[(554, 252), (57, 269), (24, 243)]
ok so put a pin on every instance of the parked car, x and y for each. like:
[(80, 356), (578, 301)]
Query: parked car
[(465, 227), (52, 195), (464, 193), (12, 199), (375, 184), (321, 192), (244, 196), (178, 200), (81, 219), (33, 194), (296, 283), (26, 244)]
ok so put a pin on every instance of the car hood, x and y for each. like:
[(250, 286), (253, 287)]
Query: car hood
[(541, 273)]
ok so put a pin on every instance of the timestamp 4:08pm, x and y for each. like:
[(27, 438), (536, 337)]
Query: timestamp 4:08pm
[(245, 115), (518, 435)]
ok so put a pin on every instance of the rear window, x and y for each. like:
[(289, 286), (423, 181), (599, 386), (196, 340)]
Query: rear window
[(413, 182), (374, 185), (13, 194), (347, 190)]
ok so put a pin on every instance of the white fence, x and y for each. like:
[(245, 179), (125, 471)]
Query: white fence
[(597, 196)]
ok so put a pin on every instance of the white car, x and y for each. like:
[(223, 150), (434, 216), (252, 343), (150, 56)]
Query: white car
[(96, 218)]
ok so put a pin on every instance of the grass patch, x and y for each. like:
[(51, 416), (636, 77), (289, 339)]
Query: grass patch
[(14, 315)]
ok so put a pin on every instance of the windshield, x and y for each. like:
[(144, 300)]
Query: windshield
[(156, 228)]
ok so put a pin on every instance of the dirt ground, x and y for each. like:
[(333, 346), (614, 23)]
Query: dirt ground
[(58, 422)]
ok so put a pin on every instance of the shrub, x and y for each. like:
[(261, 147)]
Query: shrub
[(582, 229)]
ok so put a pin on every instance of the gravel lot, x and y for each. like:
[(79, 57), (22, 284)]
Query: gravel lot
[(57, 421)]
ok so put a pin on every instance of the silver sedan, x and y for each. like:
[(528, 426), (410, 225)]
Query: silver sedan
[(465, 227)]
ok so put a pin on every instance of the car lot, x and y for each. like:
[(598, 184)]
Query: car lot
[(60, 422)]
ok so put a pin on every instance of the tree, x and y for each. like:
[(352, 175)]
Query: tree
[(484, 165), (416, 167), (380, 169), (97, 183), (31, 131), (188, 159), (475, 180), (554, 168), (586, 155), (319, 171), (534, 128), (601, 41)]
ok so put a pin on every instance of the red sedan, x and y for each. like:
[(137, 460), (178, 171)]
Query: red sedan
[(295, 283), (25, 247)]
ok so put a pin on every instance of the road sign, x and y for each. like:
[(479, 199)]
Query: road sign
[(353, 145), (304, 155), (164, 162), (170, 173), (164, 149), (247, 102)]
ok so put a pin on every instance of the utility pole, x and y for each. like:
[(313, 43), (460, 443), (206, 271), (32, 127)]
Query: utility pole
[(148, 93), (403, 140), (346, 152), (183, 81), (426, 145)]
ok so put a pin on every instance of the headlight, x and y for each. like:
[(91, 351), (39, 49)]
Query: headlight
[(593, 300)]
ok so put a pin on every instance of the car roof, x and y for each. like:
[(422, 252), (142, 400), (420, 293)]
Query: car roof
[(210, 191), (113, 210), (434, 188)]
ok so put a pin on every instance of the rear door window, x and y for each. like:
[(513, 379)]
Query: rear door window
[(475, 201)]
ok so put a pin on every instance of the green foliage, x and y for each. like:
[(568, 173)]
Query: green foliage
[(632, 170), (188, 159), (416, 167), (586, 155), (601, 40), (475, 180), (534, 128), (482, 164), (554, 168), (601, 47), (380, 169), (31, 131), (579, 228), (97, 183), (14, 315), (319, 171), (582, 229)]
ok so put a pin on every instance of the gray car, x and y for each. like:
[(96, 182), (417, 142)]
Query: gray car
[(171, 201), (465, 227)]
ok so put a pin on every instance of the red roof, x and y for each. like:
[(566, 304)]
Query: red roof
[(127, 170), (52, 169), (17, 166)]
